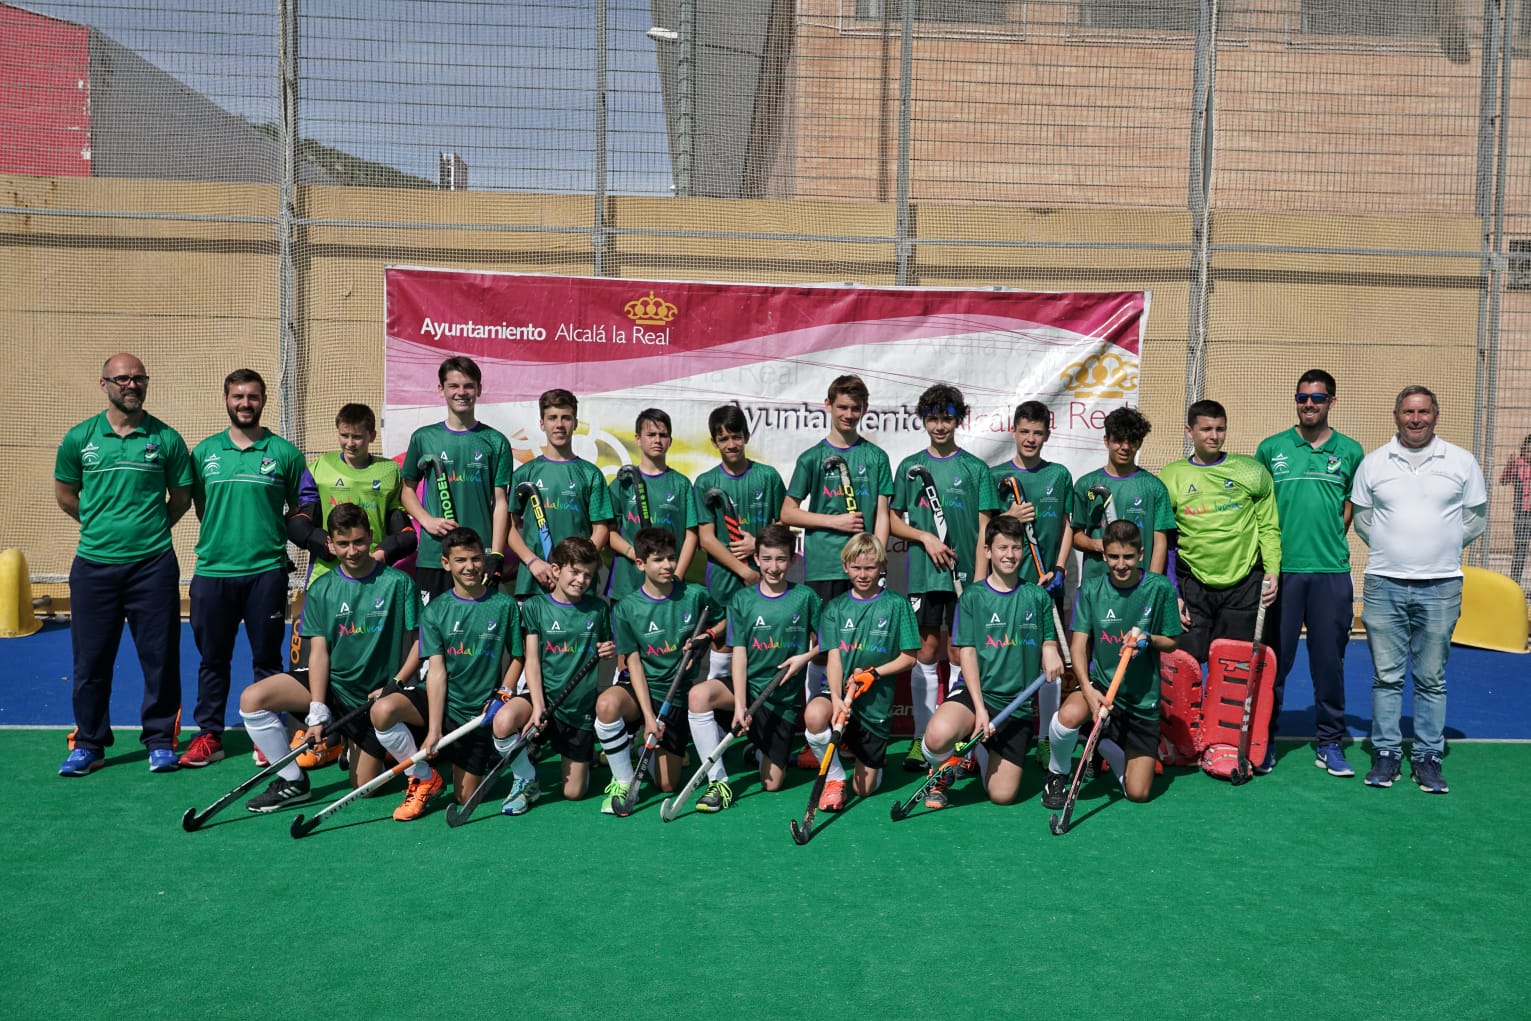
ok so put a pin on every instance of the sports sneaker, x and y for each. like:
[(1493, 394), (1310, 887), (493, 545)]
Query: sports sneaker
[(833, 798), (914, 762), (1268, 763), (417, 796), (325, 753), (279, 793), (163, 760), (81, 762), (1385, 769), (1331, 756), (204, 750), (257, 757), (807, 760), (935, 797), (968, 766), (523, 794), (1055, 791), (716, 797), (1427, 773), (615, 791)]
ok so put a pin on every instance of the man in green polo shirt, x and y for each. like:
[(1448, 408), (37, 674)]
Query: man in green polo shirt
[(1313, 466), (247, 479), (126, 478)]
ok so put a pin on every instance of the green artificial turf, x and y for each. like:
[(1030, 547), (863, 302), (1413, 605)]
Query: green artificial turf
[(1298, 895)]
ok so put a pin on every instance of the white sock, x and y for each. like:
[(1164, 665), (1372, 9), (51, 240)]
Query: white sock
[(924, 685), (521, 766), (720, 665), (820, 744), (398, 740), (502, 744), (269, 735), (1115, 758), (707, 735), (1047, 703), (931, 758), (1062, 747), (618, 747)]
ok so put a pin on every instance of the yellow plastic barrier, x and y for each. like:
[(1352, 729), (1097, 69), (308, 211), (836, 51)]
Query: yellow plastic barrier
[(1493, 612), (16, 617)]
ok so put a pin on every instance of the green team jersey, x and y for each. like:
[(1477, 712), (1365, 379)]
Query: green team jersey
[(657, 630), (966, 490), (573, 497), (566, 636), (473, 637), (122, 482), (375, 489), (671, 507), (869, 633), (1139, 497), (757, 497), (1226, 515), (1006, 630), (772, 629), (367, 623), (243, 496), (1050, 488), (474, 463), (1106, 613), (1312, 486), (822, 493)]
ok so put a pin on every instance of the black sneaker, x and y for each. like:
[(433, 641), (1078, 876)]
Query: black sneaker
[(1427, 773), (716, 797), (1055, 791), (281, 793), (1385, 769)]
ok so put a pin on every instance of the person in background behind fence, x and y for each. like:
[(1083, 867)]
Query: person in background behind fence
[(126, 477), (1517, 473), (1418, 501)]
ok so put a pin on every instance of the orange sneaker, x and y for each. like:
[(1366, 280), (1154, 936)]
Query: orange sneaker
[(833, 798), (324, 754), (417, 796)]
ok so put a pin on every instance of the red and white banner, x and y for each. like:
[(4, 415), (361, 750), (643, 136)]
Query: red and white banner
[(625, 345)]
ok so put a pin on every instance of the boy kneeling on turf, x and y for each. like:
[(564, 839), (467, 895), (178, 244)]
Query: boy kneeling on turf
[(360, 621), (866, 629), (564, 628), (466, 635), (770, 624), (653, 627), (1124, 601), (1004, 636)]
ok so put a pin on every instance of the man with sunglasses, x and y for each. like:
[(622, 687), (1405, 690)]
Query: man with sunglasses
[(126, 477), (1313, 466)]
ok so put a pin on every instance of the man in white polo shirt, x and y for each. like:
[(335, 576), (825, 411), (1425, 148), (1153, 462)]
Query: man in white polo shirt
[(1418, 501)]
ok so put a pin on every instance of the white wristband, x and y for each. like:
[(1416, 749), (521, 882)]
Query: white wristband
[(318, 714)]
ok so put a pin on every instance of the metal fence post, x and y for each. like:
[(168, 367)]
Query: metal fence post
[(1496, 264), (1199, 200), (686, 121), (600, 236), (287, 273), (902, 246)]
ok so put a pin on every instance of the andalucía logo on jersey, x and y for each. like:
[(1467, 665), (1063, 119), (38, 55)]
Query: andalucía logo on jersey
[(1102, 375), (650, 310), (210, 465), (90, 454), (1280, 467)]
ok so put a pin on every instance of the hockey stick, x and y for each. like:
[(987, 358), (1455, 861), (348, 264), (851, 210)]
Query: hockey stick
[(194, 820), (633, 479), (303, 827), (624, 807), (1102, 490), (803, 832), (920, 474), (443, 490), (527, 494), (947, 768), (672, 805), (458, 814), (836, 463), (1059, 823), (1245, 770), (715, 499)]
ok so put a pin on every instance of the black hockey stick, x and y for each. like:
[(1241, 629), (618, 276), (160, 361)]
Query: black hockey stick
[(1244, 770), (803, 832), (836, 463), (1059, 823), (901, 810), (717, 500), (671, 806), (459, 814), (919, 473), (443, 489), (194, 820), (622, 808), (1103, 491), (633, 479), (528, 494)]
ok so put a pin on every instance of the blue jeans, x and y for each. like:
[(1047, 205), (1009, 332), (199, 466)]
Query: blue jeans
[(1326, 602), (1409, 625)]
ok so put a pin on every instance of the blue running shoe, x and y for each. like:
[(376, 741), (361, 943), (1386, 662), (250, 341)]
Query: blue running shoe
[(1385, 769), (1427, 773), (81, 762), (1331, 757), (163, 760)]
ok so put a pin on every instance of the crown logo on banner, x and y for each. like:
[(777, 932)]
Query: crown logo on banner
[(650, 311), (1101, 376)]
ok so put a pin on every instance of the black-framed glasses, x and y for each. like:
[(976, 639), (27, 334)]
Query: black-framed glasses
[(1313, 398), (125, 380)]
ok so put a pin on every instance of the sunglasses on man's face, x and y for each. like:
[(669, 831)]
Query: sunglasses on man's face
[(1313, 398)]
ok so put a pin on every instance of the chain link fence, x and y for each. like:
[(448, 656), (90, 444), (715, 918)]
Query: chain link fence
[(1343, 184)]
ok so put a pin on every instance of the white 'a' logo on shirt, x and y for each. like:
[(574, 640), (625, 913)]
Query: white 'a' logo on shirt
[(994, 619), (760, 622), (1110, 614), (457, 627), (850, 625), (556, 626), (345, 607), (653, 627)]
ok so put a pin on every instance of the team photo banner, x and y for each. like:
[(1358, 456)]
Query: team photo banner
[(625, 345)]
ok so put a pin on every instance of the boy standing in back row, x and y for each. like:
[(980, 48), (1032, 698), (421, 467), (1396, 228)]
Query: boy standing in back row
[(1135, 495), (668, 499)]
